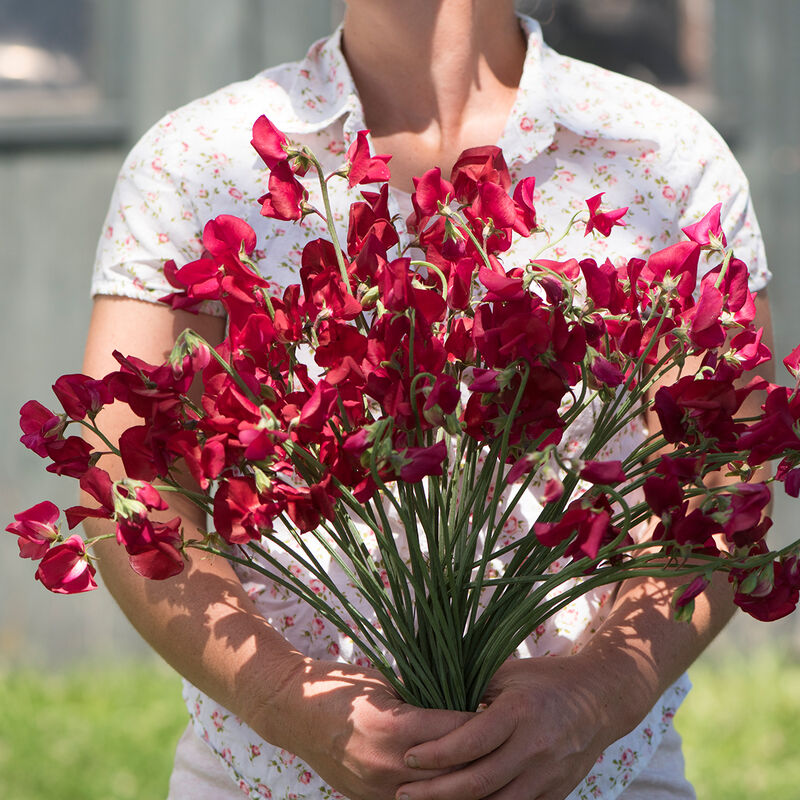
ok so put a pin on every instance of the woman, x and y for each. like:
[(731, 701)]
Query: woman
[(429, 79)]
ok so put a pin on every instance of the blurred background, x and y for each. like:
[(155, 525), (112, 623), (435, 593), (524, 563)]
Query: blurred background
[(81, 80)]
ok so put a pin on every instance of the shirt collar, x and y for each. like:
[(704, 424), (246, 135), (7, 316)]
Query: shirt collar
[(323, 90)]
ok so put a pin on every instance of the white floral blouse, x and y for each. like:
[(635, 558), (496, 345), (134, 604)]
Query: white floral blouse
[(579, 130)]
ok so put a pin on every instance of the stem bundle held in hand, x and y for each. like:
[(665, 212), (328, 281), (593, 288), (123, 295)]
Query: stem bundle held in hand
[(441, 388)]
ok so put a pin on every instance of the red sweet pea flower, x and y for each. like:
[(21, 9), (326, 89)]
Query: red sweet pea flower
[(690, 591), (605, 372), (493, 203), (36, 529), (365, 168), (692, 406), (459, 284), (65, 568), (422, 461), (791, 362), (320, 407), (442, 400), (143, 455), (371, 219), (525, 222), (238, 511), (747, 503), (607, 472), (478, 165), (603, 222), (663, 493), (39, 426), (590, 526), (153, 548), (97, 483), (748, 351), (430, 190), (702, 231), (226, 235), (772, 599), (286, 194), (679, 261), (706, 331), (269, 142), (603, 285), (71, 456), (81, 395)]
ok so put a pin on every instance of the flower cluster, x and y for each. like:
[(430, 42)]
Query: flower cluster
[(426, 356)]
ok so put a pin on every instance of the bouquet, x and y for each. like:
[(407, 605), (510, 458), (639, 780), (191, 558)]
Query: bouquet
[(387, 414)]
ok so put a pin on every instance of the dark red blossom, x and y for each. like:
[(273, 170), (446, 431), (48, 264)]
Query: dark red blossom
[(679, 261), (81, 395), (608, 472), (775, 596), (39, 426), (477, 165), (587, 528), (603, 221), (238, 511), (286, 194), (419, 462), (371, 219), (97, 483), (706, 331), (746, 504), (36, 529), (143, 453), (365, 168), (689, 592), (525, 222), (71, 456), (710, 225), (269, 142), (429, 191), (65, 568), (153, 548)]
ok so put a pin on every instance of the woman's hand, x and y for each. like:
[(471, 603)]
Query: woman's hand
[(348, 724), (545, 724)]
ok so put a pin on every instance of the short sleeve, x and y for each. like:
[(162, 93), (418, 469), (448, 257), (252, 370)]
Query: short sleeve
[(714, 176), (151, 219)]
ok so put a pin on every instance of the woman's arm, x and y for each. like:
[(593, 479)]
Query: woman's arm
[(344, 721)]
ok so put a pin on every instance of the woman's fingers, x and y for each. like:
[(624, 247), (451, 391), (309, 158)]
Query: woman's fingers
[(481, 778), (477, 737)]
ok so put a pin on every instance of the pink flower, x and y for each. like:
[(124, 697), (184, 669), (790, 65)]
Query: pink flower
[(65, 568), (36, 529)]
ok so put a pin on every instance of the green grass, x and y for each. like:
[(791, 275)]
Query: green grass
[(92, 734), (110, 734), (741, 728)]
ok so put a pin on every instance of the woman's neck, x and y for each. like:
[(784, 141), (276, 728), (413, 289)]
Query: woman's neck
[(430, 66)]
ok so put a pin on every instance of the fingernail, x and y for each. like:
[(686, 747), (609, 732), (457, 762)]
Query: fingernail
[(413, 762), (402, 797)]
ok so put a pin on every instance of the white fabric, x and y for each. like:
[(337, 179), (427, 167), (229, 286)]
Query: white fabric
[(579, 130), (199, 775)]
